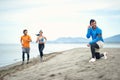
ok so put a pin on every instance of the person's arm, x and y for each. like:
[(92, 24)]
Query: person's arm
[(30, 40), (88, 32), (37, 40), (99, 37), (45, 39), (21, 41)]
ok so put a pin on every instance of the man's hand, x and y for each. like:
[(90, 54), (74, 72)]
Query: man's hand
[(88, 45), (21, 44), (28, 40), (89, 26)]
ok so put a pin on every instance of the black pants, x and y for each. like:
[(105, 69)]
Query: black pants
[(41, 47), (23, 56), (96, 55)]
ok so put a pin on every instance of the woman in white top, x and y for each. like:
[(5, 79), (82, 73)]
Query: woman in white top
[(41, 40)]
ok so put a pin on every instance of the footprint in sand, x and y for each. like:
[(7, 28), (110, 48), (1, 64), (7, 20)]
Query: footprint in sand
[(52, 75), (101, 76), (81, 70), (59, 73)]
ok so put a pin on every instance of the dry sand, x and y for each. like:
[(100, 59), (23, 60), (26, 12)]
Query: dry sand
[(67, 65)]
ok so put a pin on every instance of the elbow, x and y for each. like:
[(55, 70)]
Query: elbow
[(88, 36)]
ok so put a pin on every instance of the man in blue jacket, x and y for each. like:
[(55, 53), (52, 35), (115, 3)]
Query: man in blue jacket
[(97, 41)]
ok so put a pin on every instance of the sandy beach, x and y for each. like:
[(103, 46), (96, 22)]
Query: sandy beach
[(66, 65)]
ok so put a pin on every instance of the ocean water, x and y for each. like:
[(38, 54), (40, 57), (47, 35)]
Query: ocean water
[(11, 53)]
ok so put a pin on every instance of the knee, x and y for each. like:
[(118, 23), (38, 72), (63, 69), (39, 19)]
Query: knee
[(97, 50), (41, 52)]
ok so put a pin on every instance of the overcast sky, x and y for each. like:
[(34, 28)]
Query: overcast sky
[(57, 18)]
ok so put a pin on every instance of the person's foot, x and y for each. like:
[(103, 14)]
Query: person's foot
[(27, 62), (105, 55), (92, 60)]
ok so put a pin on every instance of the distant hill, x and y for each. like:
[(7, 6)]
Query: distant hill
[(70, 40), (113, 39)]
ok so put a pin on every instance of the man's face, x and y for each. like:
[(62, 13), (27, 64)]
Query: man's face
[(25, 32), (93, 24)]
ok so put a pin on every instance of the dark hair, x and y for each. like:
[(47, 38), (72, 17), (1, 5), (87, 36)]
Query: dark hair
[(92, 20), (24, 30)]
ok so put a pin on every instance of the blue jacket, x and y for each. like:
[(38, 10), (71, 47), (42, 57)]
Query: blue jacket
[(96, 35)]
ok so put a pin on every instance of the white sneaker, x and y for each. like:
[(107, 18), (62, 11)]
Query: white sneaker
[(105, 55), (92, 60)]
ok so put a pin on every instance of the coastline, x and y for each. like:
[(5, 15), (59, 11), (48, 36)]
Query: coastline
[(12, 68)]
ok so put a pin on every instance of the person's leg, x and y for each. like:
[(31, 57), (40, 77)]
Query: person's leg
[(101, 55), (41, 54), (41, 51), (23, 56), (39, 47), (28, 55), (97, 55), (93, 47), (42, 47)]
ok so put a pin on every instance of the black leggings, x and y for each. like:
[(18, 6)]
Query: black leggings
[(41, 47), (96, 55)]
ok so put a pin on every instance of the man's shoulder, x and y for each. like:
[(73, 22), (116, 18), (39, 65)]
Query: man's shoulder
[(22, 36), (99, 31), (98, 28)]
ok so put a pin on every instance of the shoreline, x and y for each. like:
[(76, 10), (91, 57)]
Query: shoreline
[(80, 58), (12, 68)]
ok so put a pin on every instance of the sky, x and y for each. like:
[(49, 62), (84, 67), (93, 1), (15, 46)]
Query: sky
[(57, 18)]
